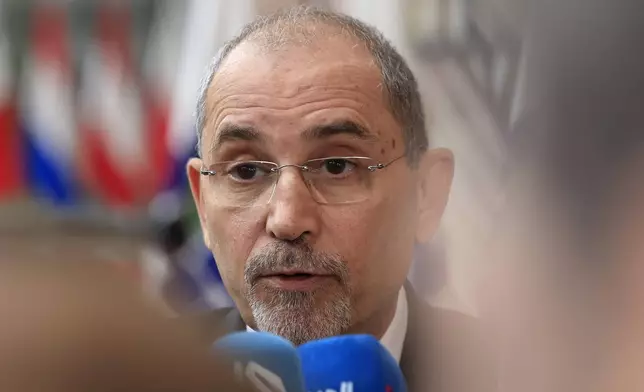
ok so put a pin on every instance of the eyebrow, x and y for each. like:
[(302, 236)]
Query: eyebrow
[(231, 133), (345, 127)]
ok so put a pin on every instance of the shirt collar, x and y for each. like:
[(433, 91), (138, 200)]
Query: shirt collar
[(394, 337)]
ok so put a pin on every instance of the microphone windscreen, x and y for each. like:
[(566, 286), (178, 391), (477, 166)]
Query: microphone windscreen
[(350, 363), (268, 362)]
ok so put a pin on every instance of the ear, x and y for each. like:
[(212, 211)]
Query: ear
[(435, 174), (194, 177)]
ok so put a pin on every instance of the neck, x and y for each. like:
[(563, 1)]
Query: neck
[(378, 322)]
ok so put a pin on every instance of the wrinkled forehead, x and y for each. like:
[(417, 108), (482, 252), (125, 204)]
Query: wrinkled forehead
[(287, 69), (287, 89)]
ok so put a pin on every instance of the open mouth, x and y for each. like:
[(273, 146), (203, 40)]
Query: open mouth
[(296, 276), (296, 280)]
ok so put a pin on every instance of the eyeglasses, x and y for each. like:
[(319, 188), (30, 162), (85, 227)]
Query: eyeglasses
[(333, 180)]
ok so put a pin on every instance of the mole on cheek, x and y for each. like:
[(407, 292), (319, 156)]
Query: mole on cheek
[(382, 151), (393, 143)]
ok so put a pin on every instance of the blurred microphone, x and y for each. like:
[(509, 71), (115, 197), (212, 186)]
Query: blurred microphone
[(350, 363), (266, 361)]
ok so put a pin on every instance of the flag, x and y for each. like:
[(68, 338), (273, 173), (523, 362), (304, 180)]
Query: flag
[(47, 112), (160, 65), (112, 127), (10, 157), (208, 25)]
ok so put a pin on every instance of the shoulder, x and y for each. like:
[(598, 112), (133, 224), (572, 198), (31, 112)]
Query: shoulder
[(449, 348), (439, 326)]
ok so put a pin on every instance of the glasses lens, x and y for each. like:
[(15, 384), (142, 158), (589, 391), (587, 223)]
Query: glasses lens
[(340, 180), (242, 183)]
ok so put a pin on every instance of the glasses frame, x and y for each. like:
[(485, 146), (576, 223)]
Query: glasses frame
[(304, 168)]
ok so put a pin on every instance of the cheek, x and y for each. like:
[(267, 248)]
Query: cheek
[(232, 235), (349, 235), (376, 239), (396, 227)]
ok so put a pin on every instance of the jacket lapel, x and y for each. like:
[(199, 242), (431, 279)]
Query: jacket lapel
[(410, 352)]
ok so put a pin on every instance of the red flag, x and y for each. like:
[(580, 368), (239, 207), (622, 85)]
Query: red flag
[(11, 175), (112, 122), (160, 68), (47, 107)]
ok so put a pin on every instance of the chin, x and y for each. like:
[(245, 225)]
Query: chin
[(301, 316)]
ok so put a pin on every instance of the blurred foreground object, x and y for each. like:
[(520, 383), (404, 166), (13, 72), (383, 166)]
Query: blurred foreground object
[(79, 326), (571, 256)]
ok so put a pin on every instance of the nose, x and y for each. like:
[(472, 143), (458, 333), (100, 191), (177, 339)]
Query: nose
[(293, 213)]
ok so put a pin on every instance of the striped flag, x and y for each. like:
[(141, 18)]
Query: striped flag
[(160, 73), (111, 115), (47, 106), (208, 24), (200, 41), (10, 159)]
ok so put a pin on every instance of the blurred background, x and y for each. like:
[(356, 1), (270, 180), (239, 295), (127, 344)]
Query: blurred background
[(543, 232), (96, 123)]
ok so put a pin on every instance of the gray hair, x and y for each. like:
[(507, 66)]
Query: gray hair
[(401, 88)]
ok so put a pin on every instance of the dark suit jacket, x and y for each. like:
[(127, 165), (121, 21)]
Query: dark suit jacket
[(444, 351)]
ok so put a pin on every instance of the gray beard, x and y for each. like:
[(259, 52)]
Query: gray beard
[(299, 316), (295, 316)]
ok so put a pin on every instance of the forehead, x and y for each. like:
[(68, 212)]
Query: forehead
[(337, 72), (287, 68)]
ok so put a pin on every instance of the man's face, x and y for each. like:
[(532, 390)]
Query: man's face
[(295, 266)]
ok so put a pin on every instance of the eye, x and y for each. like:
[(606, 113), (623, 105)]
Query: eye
[(248, 171), (337, 166)]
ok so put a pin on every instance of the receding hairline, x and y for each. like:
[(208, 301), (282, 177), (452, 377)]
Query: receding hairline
[(307, 26), (311, 41), (262, 46), (366, 64), (305, 31), (310, 38)]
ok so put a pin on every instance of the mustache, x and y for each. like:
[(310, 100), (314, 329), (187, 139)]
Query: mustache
[(283, 256)]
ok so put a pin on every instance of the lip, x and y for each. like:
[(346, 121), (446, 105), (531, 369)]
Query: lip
[(290, 272), (296, 280)]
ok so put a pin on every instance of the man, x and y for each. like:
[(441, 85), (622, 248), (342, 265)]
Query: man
[(315, 182)]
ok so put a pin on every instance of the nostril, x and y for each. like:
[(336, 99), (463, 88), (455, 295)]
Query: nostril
[(299, 240), (291, 240)]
